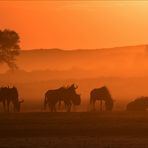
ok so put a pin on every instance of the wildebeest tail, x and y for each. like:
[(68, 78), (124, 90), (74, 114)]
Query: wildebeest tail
[(45, 101), (91, 98)]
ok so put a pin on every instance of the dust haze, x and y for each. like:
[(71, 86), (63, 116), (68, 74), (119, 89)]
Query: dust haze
[(124, 70)]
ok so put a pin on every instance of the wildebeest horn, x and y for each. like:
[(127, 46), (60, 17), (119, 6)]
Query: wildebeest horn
[(21, 101), (75, 86)]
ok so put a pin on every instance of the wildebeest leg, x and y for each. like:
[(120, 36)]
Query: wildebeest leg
[(8, 103), (69, 107), (65, 105), (74, 108), (14, 108), (91, 108), (93, 105), (59, 105), (51, 109), (69, 110), (4, 106), (54, 108), (49, 106), (101, 106)]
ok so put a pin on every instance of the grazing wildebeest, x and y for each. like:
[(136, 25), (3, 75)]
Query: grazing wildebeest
[(101, 94), (66, 94), (10, 95), (3, 96), (139, 104)]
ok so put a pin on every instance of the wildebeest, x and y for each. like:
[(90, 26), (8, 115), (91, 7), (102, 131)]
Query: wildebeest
[(66, 94), (10, 95), (51, 98), (101, 94), (139, 104)]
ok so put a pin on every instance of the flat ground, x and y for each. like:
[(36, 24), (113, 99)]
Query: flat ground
[(100, 130)]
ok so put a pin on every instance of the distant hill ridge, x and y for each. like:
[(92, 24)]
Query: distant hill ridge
[(86, 59), (128, 60), (87, 50)]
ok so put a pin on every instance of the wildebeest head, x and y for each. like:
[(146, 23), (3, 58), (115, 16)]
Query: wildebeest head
[(71, 90), (69, 94), (73, 86)]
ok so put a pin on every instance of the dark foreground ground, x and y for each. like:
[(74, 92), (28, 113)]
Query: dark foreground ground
[(74, 130)]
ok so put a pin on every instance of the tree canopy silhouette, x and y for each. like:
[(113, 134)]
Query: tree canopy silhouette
[(9, 47)]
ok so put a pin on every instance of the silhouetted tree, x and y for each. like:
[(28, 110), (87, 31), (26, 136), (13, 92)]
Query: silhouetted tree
[(9, 47)]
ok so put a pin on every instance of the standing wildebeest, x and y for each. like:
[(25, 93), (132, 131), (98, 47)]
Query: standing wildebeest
[(67, 95), (101, 94), (3, 96), (10, 95), (70, 98), (139, 104), (52, 97)]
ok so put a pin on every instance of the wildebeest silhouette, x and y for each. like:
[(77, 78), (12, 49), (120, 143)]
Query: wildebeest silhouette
[(139, 104), (10, 95), (101, 94), (66, 94)]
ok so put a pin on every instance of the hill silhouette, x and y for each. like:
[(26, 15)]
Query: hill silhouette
[(118, 61)]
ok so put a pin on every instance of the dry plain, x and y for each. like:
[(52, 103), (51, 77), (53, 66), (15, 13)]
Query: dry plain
[(80, 129)]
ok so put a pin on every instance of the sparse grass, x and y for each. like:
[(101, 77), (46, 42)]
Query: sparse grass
[(74, 130)]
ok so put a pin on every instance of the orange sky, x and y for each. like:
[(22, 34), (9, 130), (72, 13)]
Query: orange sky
[(76, 24)]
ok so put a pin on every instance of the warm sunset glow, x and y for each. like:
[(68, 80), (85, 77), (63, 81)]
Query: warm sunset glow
[(76, 24), (74, 73)]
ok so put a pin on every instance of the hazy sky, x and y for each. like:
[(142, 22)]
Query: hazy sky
[(76, 24)]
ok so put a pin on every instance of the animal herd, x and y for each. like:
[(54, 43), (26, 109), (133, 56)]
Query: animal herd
[(68, 95), (10, 95)]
